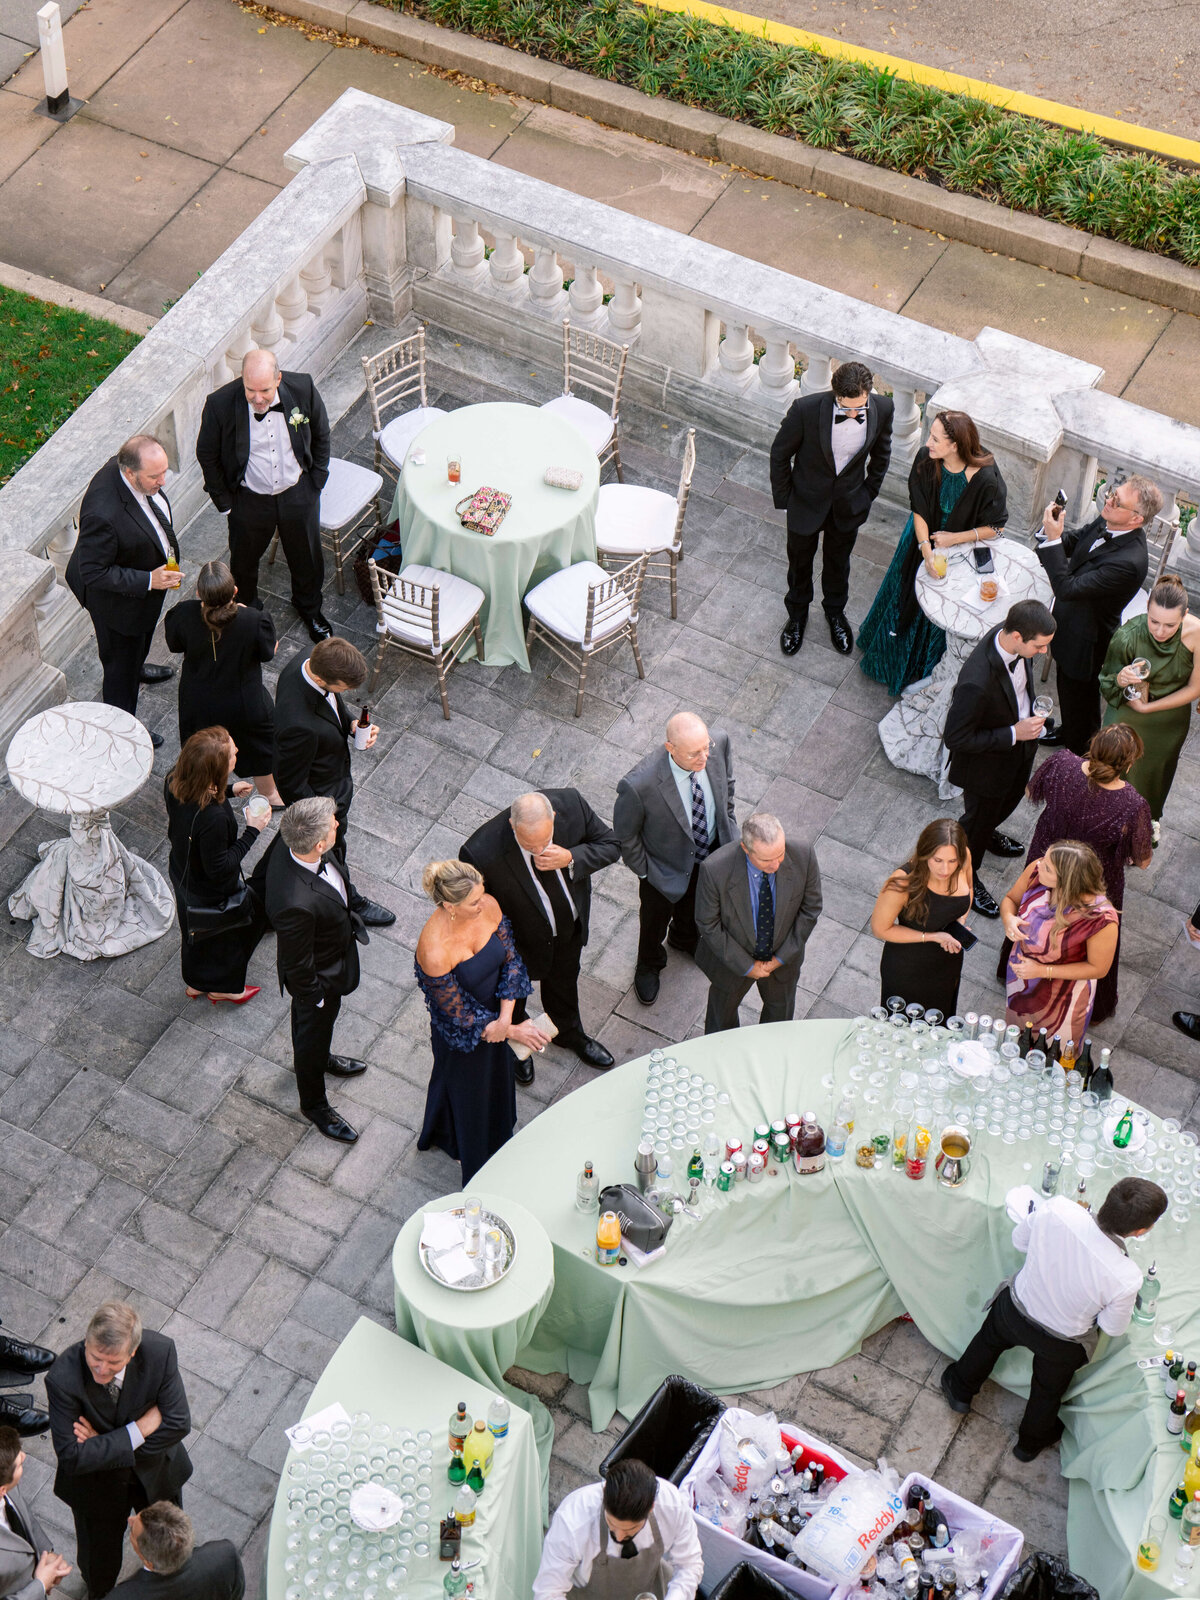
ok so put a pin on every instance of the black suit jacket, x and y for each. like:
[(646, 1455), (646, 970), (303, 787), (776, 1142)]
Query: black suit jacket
[(152, 1378), (494, 850), (223, 444), (213, 1571), (804, 479), (1094, 577), (978, 731), (312, 753), (316, 936), (110, 566)]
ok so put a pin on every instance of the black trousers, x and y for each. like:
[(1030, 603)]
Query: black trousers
[(1055, 1363), (835, 569), (657, 914), (100, 1523), (254, 520), (560, 988), (312, 1036), (122, 656), (1079, 711), (778, 997), (983, 813)]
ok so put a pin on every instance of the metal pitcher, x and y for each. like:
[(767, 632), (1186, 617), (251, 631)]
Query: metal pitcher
[(953, 1161)]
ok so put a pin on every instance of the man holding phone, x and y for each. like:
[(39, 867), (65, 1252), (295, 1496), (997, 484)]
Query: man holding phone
[(1095, 571)]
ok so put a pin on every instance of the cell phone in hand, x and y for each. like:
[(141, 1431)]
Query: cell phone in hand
[(959, 931), (983, 559), (1060, 501)]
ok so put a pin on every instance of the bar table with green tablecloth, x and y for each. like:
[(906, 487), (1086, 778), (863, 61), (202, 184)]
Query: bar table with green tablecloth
[(792, 1273), (374, 1371)]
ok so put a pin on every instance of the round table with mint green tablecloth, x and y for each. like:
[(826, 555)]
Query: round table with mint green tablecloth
[(507, 447), (481, 1332), (792, 1273)]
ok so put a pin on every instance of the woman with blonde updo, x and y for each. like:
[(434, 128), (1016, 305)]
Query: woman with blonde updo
[(471, 976)]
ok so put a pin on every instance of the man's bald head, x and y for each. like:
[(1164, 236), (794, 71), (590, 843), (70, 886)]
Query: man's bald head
[(260, 378), (688, 742)]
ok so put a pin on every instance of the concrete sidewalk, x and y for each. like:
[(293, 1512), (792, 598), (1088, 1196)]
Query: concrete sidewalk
[(191, 104)]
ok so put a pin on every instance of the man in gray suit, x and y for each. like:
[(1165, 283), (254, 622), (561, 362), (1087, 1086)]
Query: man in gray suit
[(672, 811), (28, 1567), (173, 1565), (756, 904)]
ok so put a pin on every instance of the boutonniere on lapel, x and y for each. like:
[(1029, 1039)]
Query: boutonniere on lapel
[(296, 417)]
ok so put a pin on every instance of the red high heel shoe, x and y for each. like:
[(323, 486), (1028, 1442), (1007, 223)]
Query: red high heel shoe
[(239, 1000)]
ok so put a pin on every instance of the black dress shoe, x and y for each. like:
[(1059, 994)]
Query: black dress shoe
[(589, 1050), (326, 1120), (523, 1072), (374, 915), (319, 628), (1003, 844), (792, 637), (645, 985), (17, 1411), (840, 632), (983, 902), (1022, 1453), (1052, 741), (952, 1400), (24, 1357), (151, 673), (345, 1067), (1187, 1022), (156, 739)]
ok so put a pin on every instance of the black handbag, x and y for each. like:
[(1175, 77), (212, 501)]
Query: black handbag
[(642, 1224), (206, 922)]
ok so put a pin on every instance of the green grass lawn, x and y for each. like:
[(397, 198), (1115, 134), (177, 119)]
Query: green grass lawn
[(50, 360)]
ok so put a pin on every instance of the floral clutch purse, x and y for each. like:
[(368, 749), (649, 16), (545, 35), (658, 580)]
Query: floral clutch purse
[(483, 511)]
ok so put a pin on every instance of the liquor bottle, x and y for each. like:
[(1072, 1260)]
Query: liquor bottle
[(456, 1471), (931, 1522), (1190, 1385), (480, 1446), (1066, 1058), (1124, 1129), (1174, 1375), (810, 1146), (1189, 1523), (1176, 1414), (1101, 1080), (464, 1506), (449, 1538), (455, 1581), (1146, 1306), (1054, 1049), (1081, 1195), (587, 1189), (818, 1476), (1084, 1064), (460, 1426), (499, 1413)]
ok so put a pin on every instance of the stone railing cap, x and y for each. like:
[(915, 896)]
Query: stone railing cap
[(1120, 433), (373, 131)]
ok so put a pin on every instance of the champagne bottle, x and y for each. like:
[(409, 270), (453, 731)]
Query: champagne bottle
[(1066, 1059), (1084, 1064), (1101, 1080), (1054, 1053)]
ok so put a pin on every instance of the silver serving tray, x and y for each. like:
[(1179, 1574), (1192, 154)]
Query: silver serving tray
[(429, 1258)]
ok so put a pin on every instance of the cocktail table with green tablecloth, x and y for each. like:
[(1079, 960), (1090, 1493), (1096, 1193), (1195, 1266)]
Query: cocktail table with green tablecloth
[(792, 1273), (506, 447), (481, 1332), (374, 1371)]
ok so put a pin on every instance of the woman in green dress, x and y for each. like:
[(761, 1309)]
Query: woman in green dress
[(1167, 637), (957, 497)]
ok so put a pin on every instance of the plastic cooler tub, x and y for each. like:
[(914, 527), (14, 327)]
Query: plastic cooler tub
[(670, 1430), (747, 1582), (724, 1551)]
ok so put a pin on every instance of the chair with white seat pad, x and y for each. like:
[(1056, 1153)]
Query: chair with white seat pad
[(582, 610), (345, 506), (426, 613), (632, 520), (598, 366), (395, 376)]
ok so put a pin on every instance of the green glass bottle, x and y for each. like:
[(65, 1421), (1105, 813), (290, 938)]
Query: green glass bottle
[(1124, 1129), (475, 1477), (456, 1471)]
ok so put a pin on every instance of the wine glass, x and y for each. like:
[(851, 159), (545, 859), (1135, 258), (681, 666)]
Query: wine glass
[(1042, 705), (1140, 668)]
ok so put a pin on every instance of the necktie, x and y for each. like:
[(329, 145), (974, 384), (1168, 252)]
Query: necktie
[(164, 524), (564, 915), (113, 1390), (699, 817), (259, 415), (628, 1549), (764, 928), (15, 1522)]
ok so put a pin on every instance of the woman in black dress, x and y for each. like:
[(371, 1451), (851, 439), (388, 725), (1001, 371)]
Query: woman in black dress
[(224, 646), (198, 811), (921, 961)]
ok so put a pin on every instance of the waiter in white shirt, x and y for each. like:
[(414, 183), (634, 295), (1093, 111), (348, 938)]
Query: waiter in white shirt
[(631, 1535), (1077, 1282)]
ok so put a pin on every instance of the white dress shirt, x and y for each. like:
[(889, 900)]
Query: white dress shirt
[(1074, 1275), (527, 857), (848, 438), (328, 693), (272, 466), (573, 1543), (324, 869), (1019, 682), (683, 782), (160, 532)]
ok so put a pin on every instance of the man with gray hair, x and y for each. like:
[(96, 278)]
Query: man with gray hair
[(173, 1566), (118, 1419), (310, 904), (263, 447), (756, 904)]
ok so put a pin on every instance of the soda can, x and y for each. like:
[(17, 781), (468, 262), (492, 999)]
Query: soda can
[(792, 1122), (778, 1126), (739, 1165), (761, 1147), (732, 1146), (725, 1177), (782, 1146), (756, 1166), (762, 1130)]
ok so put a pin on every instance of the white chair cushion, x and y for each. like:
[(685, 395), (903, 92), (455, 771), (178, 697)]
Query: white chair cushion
[(630, 519), (595, 425), (348, 492), (561, 601), (396, 435), (458, 601)]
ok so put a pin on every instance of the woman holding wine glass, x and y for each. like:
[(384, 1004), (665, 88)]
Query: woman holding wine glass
[(1150, 678)]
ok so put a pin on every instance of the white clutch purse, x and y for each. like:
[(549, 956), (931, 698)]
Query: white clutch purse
[(543, 1025), (563, 477)]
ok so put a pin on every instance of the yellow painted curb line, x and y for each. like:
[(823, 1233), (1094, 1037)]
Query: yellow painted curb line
[(1110, 128)]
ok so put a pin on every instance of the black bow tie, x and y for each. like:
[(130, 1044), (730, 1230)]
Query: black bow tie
[(1014, 664), (259, 415), (846, 416), (628, 1549)]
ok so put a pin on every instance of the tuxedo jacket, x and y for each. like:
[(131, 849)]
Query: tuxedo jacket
[(654, 826), (18, 1556), (213, 1571), (978, 733), (316, 936), (725, 923), (493, 849), (1094, 575), (110, 566), (161, 1464), (312, 750), (804, 478), (223, 444)]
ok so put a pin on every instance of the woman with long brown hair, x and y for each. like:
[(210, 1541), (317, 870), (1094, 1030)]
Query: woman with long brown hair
[(224, 645), (1064, 940), (957, 497), (915, 917)]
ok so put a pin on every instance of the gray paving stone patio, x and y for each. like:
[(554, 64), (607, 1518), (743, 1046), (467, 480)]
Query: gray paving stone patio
[(152, 1146)]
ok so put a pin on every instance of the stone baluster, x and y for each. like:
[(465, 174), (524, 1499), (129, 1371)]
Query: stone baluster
[(316, 279), (59, 547), (777, 369), (235, 352), (906, 428), (625, 312), (1167, 529), (292, 305), (586, 298), (547, 297), (266, 326), (506, 266), (735, 357), (816, 375), (467, 253)]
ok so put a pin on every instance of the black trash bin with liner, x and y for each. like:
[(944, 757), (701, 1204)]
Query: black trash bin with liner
[(670, 1430), (748, 1582), (1045, 1577)]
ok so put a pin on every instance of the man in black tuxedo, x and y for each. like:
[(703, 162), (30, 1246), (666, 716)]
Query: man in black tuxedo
[(1095, 571), (120, 569), (537, 859), (991, 732), (118, 1419), (263, 447), (311, 907), (173, 1566), (29, 1566), (312, 748), (828, 463)]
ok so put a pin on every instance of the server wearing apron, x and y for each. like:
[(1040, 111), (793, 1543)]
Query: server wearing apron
[(632, 1535)]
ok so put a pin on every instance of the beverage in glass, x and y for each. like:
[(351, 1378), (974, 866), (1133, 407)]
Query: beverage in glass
[(939, 564), (1140, 668), (454, 469)]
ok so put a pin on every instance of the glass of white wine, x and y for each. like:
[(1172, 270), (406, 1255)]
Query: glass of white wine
[(1042, 705), (1140, 668)]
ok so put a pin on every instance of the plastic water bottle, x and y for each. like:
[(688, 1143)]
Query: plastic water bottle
[(497, 1418)]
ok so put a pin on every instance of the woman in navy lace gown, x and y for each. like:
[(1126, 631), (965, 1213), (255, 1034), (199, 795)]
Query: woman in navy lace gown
[(471, 976)]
